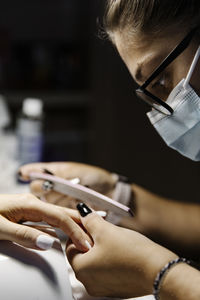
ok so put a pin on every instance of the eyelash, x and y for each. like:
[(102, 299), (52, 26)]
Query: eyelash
[(160, 83)]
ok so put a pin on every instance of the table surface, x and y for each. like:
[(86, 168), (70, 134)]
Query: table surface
[(32, 274)]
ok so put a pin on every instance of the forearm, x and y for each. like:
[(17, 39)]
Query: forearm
[(166, 221), (182, 282)]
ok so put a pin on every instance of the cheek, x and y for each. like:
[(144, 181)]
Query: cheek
[(195, 81), (179, 72), (182, 64)]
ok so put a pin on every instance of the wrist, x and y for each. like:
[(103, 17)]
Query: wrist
[(122, 193), (158, 258), (181, 282), (146, 207)]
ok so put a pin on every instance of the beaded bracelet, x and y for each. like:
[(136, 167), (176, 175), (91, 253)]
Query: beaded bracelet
[(160, 276)]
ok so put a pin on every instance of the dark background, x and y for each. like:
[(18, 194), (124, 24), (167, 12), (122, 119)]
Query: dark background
[(51, 50)]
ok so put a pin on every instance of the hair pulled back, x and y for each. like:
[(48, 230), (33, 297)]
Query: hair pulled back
[(150, 16)]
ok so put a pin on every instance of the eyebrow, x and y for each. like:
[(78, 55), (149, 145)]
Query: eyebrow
[(138, 74), (150, 62)]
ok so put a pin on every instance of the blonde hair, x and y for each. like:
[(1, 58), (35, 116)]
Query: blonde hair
[(150, 16)]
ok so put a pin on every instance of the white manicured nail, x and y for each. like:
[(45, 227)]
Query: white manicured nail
[(88, 245), (75, 180), (101, 213), (44, 242)]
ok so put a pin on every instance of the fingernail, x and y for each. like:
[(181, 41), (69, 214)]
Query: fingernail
[(88, 245), (83, 209), (19, 174), (21, 179), (75, 180), (47, 186), (101, 213), (47, 172), (44, 242)]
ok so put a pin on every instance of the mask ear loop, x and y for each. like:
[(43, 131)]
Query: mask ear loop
[(191, 70)]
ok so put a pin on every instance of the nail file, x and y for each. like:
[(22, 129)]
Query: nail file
[(83, 193)]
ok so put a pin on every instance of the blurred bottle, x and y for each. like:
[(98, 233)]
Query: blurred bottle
[(29, 132), (8, 163), (4, 113), (4, 123)]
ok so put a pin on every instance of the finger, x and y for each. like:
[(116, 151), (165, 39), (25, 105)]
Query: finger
[(28, 208), (25, 170), (56, 216), (92, 222), (59, 168), (37, 189), (72, 253), (26, 236), (68, 202), (54, 198), (71, 228), (60, 199), (44, 228), (79, 261), (73, 214)]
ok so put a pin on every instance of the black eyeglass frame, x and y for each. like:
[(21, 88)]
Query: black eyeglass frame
[(169, 59)]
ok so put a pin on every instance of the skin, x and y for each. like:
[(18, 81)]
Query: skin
[(127, 271), (150, 209), (144, 50), (16, 209), (131, 269), (143, 258), (96, 178)]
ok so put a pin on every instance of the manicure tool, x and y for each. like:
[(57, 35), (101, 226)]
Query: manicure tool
[(82, 193)]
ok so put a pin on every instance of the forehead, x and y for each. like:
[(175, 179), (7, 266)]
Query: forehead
[(143, 54)]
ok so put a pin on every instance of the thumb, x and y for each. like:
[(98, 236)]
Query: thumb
[(91, 220)]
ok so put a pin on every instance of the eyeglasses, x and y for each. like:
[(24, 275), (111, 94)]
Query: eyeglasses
[(148, 97)]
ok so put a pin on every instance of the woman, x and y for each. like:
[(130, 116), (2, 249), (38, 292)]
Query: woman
[(124, 263)]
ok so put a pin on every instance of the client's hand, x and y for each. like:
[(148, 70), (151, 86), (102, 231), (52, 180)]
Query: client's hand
[(93, 177), (15, 209), (122, 263)]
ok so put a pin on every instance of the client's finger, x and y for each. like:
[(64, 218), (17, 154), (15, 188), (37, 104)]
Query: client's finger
[(37, 188), (65, 201), (25, 170), (26, 207), (54, 198), (58, 217), (40, 189), (24, 235)]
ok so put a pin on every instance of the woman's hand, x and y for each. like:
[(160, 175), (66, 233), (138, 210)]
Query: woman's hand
[(122, 263), (93, 177), (15, 209)]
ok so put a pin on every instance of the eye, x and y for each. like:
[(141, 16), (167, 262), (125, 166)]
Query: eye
[(161, 87), (160, 83)]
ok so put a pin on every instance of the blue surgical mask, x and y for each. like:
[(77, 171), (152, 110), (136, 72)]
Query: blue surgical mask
[(181, 130)]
